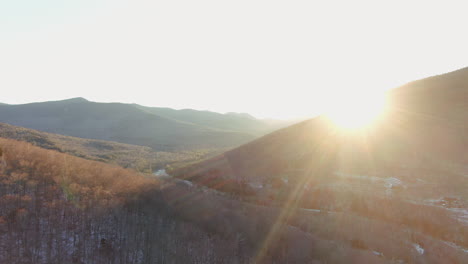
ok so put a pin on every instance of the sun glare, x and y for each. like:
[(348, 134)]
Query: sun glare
[(357, 111)]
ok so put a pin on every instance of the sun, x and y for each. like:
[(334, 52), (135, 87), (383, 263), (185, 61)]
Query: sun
[(357, 111)]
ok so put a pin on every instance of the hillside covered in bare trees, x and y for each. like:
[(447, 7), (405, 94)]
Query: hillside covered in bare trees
[(57, 208)]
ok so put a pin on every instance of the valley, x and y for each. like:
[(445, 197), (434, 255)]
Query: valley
[(233, 132), (306, 193)]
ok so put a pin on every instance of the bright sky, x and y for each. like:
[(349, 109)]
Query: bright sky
[(279, 59)]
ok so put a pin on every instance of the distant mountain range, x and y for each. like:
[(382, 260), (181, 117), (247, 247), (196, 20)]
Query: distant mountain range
[(158, 128), (237, 122)]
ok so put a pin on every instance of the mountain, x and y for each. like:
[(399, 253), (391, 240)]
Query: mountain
[(238, 122), (428, 117), (117, 122), (435, 110), (441, 96), (405, 172)]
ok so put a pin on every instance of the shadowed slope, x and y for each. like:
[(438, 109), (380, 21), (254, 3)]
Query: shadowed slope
[(427, 120)]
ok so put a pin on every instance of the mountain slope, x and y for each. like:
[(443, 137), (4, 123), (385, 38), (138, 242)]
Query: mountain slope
[(230, 121), (116, 122), (428, 116), (89, 212), (125, 155), (435, 110), (408, 169), (442, 95)]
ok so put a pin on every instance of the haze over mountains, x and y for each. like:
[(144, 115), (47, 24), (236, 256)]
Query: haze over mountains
[(238, 122), (158, 128)]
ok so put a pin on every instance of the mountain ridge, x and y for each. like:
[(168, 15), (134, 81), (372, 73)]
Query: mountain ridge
[(116, 122), (408, 113), (238, 122)]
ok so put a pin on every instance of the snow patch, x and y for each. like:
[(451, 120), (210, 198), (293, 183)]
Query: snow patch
[(311, 210), (188, 183), (456, 246), (418, 248), (461, 214), (161, 173), (392, 182), (256, 185), (453, 205)]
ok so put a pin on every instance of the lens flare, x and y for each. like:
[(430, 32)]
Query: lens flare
[(357, 111)]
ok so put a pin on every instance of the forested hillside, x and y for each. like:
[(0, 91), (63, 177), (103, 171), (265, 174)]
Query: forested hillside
[(140, 158), (56, 208)]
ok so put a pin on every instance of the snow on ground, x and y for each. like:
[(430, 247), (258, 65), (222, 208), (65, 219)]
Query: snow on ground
[(188, 183), (311, 210), (392, 182), (453, 205), (461, 214), (256, 185), (418, 248), (456, 246), (389, 183), (161, 173)]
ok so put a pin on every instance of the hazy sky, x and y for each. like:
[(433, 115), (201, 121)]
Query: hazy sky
[(269, 58)]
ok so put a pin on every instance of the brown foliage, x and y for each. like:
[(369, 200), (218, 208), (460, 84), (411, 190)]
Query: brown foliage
[(78, 178)]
